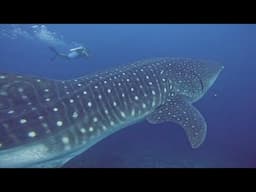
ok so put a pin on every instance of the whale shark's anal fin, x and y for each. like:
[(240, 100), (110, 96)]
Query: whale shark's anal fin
[(179, 111)]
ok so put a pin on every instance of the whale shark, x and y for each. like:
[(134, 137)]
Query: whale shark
[(47, 122)]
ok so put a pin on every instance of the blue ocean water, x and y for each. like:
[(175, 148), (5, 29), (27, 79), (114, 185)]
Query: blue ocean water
[(228, 107)]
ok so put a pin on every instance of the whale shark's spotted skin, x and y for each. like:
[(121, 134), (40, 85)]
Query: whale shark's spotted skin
[(44, 123)]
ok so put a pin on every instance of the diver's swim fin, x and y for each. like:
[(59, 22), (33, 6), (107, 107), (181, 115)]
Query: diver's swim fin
[(55, 53), (53, 49)]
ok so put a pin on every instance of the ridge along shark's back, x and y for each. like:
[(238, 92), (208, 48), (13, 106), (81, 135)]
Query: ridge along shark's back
[(47, 122)]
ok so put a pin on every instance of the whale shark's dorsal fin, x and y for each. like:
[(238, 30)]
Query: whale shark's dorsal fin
[(179, 111), (19, 94), (26, 102)]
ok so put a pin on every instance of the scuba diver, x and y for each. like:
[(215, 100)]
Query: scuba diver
[(78, 52)]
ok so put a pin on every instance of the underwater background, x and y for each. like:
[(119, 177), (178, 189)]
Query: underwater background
[(229, 107)]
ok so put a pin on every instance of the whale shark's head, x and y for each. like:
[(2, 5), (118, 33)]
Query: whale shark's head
[(192, 78)]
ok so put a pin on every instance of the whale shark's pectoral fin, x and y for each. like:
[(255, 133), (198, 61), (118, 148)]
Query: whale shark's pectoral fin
[(50, 164), (178, 110)]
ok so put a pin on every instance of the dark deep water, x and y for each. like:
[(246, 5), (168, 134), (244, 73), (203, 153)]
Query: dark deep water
[(229, 106)]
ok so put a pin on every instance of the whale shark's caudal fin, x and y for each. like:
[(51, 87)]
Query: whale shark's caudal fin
[(178, 110)]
